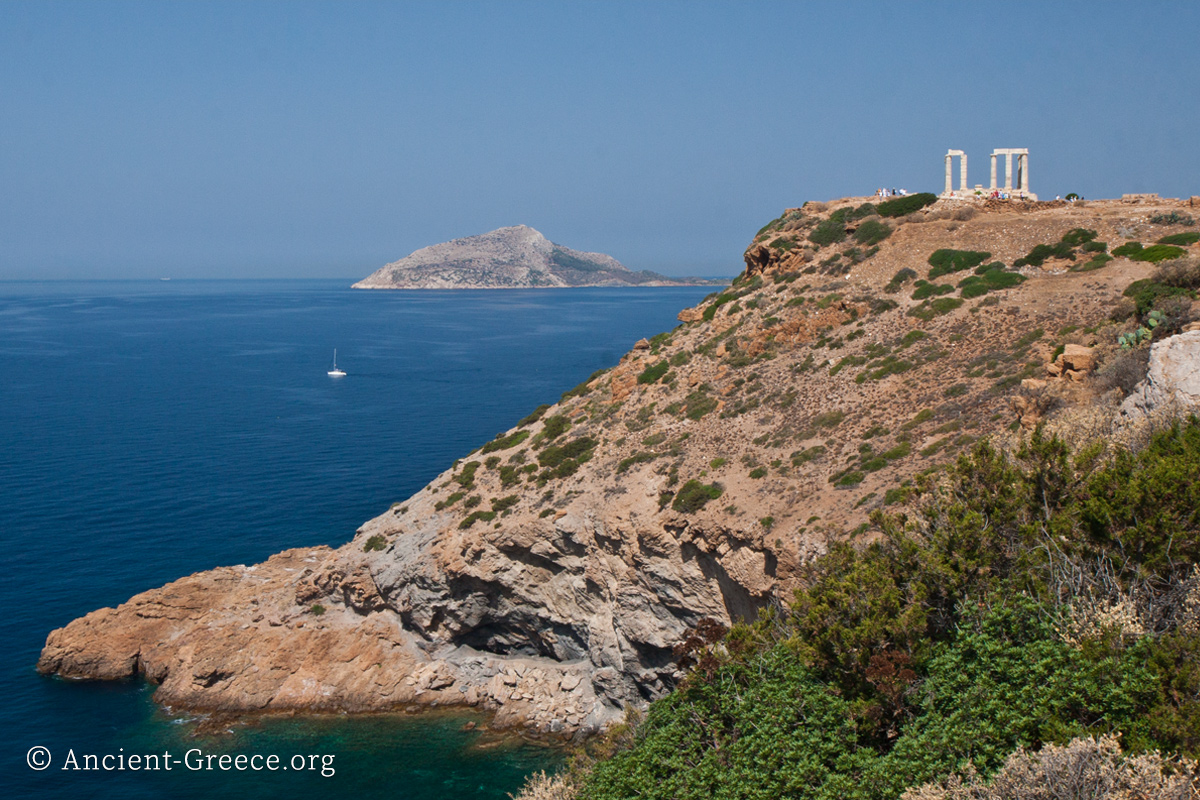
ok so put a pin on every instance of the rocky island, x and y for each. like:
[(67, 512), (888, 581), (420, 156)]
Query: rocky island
[(517, 257), (551, 575)]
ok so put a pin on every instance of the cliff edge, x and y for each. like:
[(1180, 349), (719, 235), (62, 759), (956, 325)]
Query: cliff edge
[(548, 575)]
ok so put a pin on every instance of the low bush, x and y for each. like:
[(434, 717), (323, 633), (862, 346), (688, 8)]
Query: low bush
[(1158, 252), (1094, 247), (1078, 236), (872, 232), (898, 280), (903, 206), (1174, 218), (1127, 250), (576, 449), (653, 372), (640, 457), (1145, 293), (694, 495), (533, 416), (827, 232), (502, 442), (1186, 238), (555, 426), (1183, 273), (945, 261), (375, 542), (1039, 254), (925, 289)]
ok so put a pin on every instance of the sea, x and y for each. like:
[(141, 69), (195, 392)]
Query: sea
[(152, 429)]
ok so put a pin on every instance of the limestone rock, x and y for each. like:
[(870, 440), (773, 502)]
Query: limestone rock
[(1077, 357), (1172, 383)]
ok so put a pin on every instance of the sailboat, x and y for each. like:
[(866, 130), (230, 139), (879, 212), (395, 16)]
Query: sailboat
[(335, 372)]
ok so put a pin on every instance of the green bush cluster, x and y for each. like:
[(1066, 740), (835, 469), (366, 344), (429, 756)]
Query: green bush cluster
[(925, 289), (872, 232), (560, 461), (902, 206), (533, 416), (1145, 293), (653, 372), (988, 281), (949, 638), (1174, 218), (694, 495), (1184, 239), (1158, 252), (555, 426), (927, 310), (945, 261), (898, 280), (375, 542), (502, 442)]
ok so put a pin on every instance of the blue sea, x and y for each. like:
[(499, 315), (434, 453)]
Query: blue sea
[(154, 429)]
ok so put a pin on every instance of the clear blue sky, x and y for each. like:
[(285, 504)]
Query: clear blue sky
[(325, 139)]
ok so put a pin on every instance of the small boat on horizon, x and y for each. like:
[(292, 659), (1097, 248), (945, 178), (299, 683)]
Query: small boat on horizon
[(335, 372)]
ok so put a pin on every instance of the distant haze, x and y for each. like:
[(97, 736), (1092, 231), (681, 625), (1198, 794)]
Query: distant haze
[(326, 139)]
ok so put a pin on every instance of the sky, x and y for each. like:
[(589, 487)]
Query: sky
[(309, 140)]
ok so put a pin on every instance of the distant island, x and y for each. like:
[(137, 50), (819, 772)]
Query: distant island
[(517, 257)]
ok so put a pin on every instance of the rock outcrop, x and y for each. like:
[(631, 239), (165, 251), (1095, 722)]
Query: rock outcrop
[(510, 258), (549, 575), (1172, 384)]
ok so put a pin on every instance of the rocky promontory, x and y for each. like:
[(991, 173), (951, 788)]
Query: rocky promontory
[(517, 257), (550, 575)]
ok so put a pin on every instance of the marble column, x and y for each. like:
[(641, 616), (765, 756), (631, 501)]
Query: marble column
[(993, 172), (949, 171), (1008, 172), (962, 172)]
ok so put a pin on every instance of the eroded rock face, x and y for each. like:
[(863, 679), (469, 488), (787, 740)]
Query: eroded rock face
[(556, 623), (1172, 384)]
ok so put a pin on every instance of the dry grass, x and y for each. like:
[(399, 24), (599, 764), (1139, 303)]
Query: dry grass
[(1094, 769)]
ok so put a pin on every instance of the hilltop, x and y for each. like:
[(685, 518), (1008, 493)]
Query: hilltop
[(549, 575), (517, 257)]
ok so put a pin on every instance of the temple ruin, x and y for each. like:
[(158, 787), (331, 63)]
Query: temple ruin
[(1019, 192)]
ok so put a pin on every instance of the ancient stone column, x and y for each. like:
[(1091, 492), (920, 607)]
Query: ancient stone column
[(1008, 172), (962, 173), (1025, 173), (993, 172), (949, 170)]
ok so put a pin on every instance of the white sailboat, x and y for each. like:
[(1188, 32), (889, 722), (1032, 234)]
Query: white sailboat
[(335, 372)]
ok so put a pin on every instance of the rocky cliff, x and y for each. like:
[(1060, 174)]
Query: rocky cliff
[(549, 575), (510, 258)]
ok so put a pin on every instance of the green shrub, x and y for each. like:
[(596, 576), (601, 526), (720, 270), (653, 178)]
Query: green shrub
[(995, 279), (1128, 250), (848, 479), (316, 609), (576, 449), (698, 404), (902, 206), (898, 280), (1186, 238), (534, 416), (500, 504), (680, 358), (466, 478), (804, 456), (1098, 261), (555, 426), (925, 289), (872, 232), (375, 542), (945, 261), (502, 442), (653, 372), (1174, 218), (694, 495), (1039, 254), (758, 472), (640, 457), (827, 232), (1145, 293), (475, 516), (1158, 252), (1078, 236), (1097, 247)]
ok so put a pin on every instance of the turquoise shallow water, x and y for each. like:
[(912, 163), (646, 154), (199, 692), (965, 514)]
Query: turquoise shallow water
[(150, 430)]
